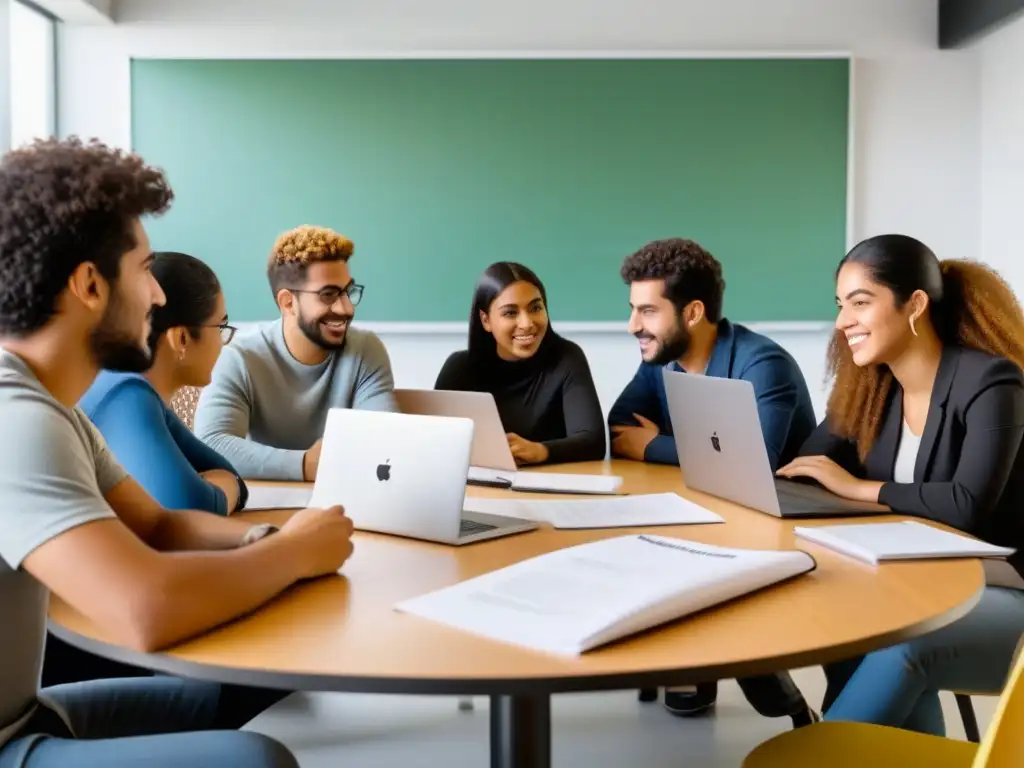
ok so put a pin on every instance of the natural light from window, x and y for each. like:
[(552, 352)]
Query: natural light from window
[(32, 74)]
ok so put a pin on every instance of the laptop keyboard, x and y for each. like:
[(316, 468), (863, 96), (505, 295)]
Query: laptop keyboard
[(472, 527)]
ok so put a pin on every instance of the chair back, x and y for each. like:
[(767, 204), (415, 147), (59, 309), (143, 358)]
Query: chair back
[(1003, 745), (184, 403)]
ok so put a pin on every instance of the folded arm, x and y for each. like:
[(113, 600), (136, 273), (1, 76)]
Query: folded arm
[(640, 397)]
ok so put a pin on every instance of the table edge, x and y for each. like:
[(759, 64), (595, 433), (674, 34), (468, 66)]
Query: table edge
[(303, 681)]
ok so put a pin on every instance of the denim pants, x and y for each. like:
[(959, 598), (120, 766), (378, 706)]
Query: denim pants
[(156, 722), (899, 686)]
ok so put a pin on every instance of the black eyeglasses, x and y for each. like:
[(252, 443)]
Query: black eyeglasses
[(227, 332), (330, 294)]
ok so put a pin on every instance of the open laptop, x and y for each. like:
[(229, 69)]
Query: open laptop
[(491, 461), (721, 451), (404, 474)]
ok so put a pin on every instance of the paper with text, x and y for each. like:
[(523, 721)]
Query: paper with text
[(578, 598), (278, 497), (616, 512)]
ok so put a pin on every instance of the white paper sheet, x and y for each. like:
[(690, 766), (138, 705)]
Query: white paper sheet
[(278, 497), (581, 597), (617, 512)]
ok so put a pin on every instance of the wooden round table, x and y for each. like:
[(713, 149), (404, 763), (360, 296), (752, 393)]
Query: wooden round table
[(342, 634)]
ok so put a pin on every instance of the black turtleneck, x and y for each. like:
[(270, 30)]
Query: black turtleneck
[(549, 398)]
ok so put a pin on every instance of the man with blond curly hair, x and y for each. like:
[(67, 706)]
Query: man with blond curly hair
[(267, 404)]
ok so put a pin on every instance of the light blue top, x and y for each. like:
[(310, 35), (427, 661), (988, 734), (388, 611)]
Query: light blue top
[(157, 449), (264, 409)]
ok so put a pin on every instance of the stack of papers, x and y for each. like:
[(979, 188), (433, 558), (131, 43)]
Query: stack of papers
[(618, 512), (906, 540), (278, 497), (575, 599), (545, 482)]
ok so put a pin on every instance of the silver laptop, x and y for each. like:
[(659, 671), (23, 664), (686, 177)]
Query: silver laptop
[(490, 445), (404, 474), (721, 451)]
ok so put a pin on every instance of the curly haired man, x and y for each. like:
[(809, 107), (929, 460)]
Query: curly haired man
[(676, 291), (267, 404), (76, 293)]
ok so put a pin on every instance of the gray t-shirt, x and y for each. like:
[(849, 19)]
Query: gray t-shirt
[(55, 470), (264, 409)]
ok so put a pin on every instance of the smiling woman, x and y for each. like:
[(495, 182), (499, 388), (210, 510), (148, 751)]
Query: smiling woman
[(541, 382), (926, 416)]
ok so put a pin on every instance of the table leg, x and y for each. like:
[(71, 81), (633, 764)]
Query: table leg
[(521, 731)]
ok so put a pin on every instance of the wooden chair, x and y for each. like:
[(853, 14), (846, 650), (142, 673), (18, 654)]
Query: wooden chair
[(844, 745)]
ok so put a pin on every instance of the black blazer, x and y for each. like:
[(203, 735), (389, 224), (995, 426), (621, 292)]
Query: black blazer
[(970, 469)]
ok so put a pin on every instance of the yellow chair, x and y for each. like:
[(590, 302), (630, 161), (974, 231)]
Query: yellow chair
[(845, 745)]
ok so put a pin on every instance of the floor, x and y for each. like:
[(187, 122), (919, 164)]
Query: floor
[(594, 730)]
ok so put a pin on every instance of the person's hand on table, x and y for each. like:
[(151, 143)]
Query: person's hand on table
[(832, 477), (526, 451), (324, 538), (630, 442)]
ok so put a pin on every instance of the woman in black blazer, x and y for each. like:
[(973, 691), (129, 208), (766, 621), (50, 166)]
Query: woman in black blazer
[(926, 416)]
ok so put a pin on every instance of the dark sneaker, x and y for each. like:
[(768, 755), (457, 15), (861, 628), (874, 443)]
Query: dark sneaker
[(691, 701)]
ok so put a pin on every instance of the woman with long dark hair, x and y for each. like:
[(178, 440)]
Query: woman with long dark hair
[(541, 382), (926, 416), (132, 410)]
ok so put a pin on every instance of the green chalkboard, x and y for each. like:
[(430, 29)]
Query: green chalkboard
[(436, 168)]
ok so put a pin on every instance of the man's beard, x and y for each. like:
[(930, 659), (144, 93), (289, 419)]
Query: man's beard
[(312, 331), (671, 348), (116, 349)]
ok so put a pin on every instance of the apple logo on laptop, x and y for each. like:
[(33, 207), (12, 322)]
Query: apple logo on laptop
[(715, 442), (384, 471)]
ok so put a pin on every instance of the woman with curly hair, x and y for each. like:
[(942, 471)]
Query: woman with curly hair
[(926, 416)]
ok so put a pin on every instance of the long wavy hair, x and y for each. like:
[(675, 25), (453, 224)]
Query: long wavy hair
[(969, 305)]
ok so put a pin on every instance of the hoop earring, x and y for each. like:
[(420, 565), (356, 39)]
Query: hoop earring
[(913, 330)]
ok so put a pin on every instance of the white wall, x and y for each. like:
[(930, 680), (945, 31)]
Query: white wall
[(1002, 155), (915, 138)]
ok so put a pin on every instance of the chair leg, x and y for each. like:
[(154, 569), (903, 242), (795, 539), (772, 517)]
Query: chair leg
[(465, 704), (963, 703), (647, 695)]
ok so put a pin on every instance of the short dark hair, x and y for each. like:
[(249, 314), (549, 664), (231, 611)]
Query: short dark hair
[(297, 248), (690, 273), (191, 289), (63, 203)]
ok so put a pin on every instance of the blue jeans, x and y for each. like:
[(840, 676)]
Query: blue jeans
[(156, 722), (899, 686)]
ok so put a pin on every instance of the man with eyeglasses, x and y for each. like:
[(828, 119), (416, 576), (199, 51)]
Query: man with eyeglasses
[(267, 404)]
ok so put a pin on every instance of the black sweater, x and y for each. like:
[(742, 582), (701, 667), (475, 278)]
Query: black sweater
[(549, 398)]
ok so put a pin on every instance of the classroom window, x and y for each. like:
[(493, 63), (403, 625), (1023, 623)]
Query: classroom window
[(33, 74)]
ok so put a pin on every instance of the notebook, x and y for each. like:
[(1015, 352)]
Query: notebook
[(578, 598), (906, 540)]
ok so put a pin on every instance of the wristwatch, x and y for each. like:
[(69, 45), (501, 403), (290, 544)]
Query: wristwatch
[(258, 532)]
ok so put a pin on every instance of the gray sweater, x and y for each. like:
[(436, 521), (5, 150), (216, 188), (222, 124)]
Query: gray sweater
[(264, 409)]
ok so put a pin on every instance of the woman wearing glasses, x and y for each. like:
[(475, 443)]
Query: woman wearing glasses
[(131, 409)]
